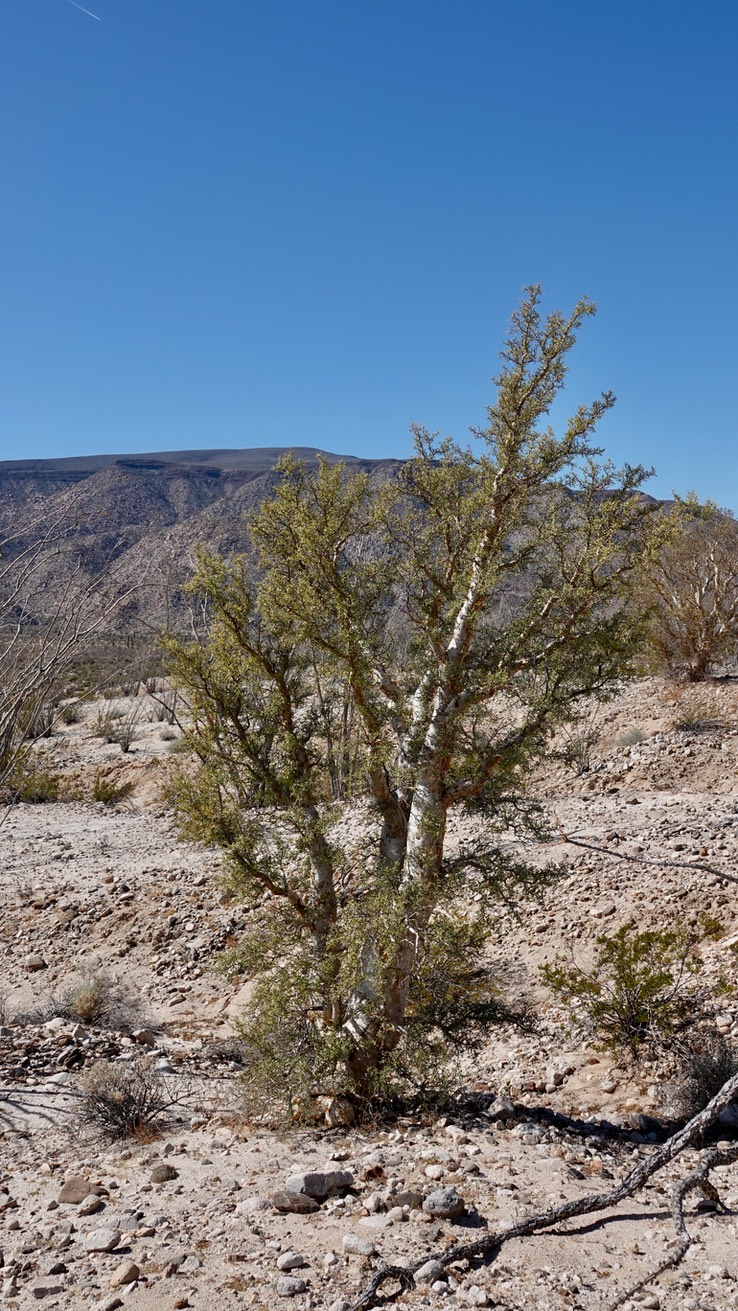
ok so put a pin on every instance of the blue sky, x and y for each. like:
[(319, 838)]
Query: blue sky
[(228, 223)]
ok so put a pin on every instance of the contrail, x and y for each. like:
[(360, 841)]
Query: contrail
[(84, 11)]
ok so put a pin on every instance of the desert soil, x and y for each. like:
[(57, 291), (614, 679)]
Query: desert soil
[(90, 888)]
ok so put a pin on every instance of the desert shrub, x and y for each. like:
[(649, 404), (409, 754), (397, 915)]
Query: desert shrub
[(630, 737), (32, 782), (578, 741), (638, 995), (692, 586), (113, 726), (106, 790), (703, 1069), (165, 707), (100, 1000), (122, 1098), (41, 720), (71, 713)]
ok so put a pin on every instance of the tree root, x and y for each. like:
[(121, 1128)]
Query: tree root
[(691, 1132)]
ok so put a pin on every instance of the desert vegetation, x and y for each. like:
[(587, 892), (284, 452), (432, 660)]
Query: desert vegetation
[(392, 888)]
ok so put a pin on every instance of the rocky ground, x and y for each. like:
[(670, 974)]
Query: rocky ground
[(219, 1212)]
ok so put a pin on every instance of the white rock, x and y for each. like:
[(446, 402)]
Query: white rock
[(356, 1245), (288, 1287), (429, 1273), (291, 1261)]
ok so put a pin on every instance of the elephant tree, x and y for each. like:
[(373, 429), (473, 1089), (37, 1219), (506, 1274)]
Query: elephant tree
[(461, 612)]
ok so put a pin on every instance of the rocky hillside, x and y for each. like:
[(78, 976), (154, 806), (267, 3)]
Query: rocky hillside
[(145, 512)]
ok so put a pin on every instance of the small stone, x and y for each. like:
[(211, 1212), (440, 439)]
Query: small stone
[(320, 1183), (104, 1239), (291, 1261), (32, 962), (75, 1190), (125, 1273), (145, 1037), (46, 1289), (444, 1203), (429, 1273), (252, 1205), (288, 1287), (163, 1174), (91, 1204), (355, 1245), (294, 1203)]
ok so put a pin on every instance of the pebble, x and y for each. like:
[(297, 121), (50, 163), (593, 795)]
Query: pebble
[(294, 1203), (288, 1287), (319, 1183), (104, 1239), (290, 1261), (125, 1273), (429, 1273), (357, 1245)]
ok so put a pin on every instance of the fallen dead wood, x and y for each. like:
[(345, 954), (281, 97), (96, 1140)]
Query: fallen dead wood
[(700, 866), (692, 1132), (697, 1179)]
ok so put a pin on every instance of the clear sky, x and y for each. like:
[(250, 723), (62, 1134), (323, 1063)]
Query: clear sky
[(231, 223)]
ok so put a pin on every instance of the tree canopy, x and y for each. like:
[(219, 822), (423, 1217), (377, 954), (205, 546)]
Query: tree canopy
[(392, 653)]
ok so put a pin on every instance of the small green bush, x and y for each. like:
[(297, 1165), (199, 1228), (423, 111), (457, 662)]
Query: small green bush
[(30, 781), (639, 993), (106, 790)]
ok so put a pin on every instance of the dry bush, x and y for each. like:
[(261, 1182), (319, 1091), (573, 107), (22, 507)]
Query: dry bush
[(123, 1098), (703, 1069), (693, 591), (100, 1000)]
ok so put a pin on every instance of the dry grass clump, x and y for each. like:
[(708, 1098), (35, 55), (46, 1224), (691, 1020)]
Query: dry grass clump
[(106, 790), (101, 1001)]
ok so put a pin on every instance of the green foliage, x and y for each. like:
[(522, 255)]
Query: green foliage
[(638, 994), (31, 781), (387, 655), (106, 790)]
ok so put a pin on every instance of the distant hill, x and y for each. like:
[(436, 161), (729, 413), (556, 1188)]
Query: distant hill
[(147, 511)]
